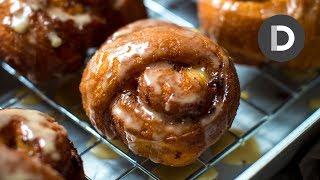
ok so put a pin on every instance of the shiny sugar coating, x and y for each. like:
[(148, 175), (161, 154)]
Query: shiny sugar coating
[(168, 92), (30, 134)]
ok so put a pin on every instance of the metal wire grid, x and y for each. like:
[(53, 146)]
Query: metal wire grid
[(160, 8)]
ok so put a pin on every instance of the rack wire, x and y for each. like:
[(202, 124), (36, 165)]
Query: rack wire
[(169, 10)]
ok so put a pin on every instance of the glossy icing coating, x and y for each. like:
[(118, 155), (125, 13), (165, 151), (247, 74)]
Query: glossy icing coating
[(49, 38), (33, 128), (36, 135), (167, 91)]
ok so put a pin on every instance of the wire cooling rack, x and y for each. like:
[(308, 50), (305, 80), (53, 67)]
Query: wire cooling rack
[(267, 96)]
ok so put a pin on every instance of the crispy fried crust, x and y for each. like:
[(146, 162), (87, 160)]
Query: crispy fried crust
[(168, 92), (55, 34), (34, 137), (235, 25), (15, 165)]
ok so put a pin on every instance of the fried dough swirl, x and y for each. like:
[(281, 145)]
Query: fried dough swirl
[(167, 91)]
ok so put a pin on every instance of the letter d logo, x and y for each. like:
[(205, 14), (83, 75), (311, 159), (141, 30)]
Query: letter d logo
[(274, 38), (281, 38)]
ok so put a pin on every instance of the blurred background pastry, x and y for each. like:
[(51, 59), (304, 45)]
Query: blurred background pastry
[(33, 145), (45, 38), (167, 91), (235, 24)]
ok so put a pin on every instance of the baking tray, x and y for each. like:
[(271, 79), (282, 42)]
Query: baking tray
[(277, 108)]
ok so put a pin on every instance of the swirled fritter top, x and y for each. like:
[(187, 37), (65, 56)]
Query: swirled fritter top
[(37, 136), (45, 38), (167, 91), (235, 25)]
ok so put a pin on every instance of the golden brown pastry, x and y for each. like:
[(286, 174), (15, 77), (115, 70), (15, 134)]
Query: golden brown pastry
[(235, 24), (45, 38), (36, 146), (167, 91), (18, 165)]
